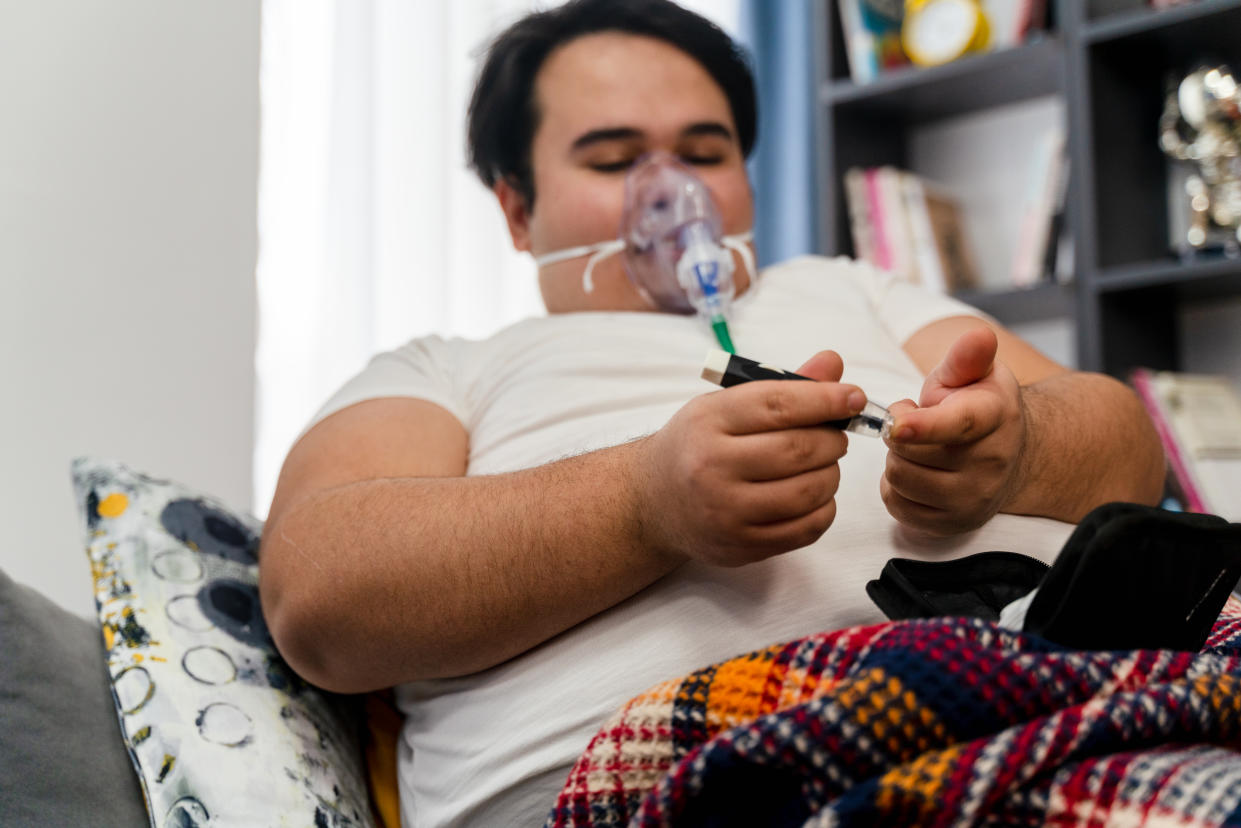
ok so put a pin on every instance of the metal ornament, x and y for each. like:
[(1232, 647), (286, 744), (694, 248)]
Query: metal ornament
[(1201, 125)]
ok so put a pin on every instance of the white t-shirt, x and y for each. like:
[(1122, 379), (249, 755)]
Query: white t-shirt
[(494, 748)]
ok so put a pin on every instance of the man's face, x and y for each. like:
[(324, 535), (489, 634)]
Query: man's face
[(604, 100)]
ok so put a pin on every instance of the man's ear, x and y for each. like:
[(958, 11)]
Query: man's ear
[(516, 213)]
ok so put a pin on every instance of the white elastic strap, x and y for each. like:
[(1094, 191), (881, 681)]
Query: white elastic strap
[(605, 250), (599, 249), (566, 254), (740, 243)]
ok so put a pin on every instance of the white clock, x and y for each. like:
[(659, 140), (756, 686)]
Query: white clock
[(939, 31)]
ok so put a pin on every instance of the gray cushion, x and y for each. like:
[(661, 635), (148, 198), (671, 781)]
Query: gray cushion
[(63, 760)]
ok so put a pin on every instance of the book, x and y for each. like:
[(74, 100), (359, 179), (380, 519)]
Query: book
[(1206, 413), (1198, 419), (1065, 262), (951, 243), (880, 231), (858, 204), (872, 35), (1058, 261), (1046, 189), (1181, 481), (903, 223), (922, 235), (891, 190), (1013, 21)]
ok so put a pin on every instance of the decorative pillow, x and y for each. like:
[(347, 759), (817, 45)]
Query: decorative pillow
[(221, 731)]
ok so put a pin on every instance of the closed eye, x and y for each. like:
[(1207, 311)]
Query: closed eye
[(612, 166), (621, 166)]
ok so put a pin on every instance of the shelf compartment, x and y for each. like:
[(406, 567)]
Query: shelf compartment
[(1195, 280), (915, 95), (1127, 79), (1135, 328), (1039, 303), (1178, 22)]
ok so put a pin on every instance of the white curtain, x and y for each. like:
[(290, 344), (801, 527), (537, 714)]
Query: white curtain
[(371, 228)]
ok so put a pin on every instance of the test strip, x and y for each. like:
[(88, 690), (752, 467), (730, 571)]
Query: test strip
[(726, 370)]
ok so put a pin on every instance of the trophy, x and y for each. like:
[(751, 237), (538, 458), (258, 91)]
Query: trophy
[(1201, 125)]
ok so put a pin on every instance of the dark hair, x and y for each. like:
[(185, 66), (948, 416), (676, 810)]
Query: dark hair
[(503, 114)]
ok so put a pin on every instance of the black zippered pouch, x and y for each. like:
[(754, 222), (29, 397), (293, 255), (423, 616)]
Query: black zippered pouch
[(977, 586), (1129, 577)]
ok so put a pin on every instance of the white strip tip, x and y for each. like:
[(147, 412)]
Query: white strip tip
[(715, 366)]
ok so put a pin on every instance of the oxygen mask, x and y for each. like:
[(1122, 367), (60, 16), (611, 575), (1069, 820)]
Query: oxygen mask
[(671, 243)]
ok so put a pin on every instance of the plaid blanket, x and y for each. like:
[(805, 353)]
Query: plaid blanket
[(943, 721)]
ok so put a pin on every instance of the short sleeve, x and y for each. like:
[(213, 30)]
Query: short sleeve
[(424, 369), (904, 308)]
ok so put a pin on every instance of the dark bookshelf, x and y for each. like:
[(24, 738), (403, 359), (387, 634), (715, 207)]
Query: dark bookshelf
[(1110, 61), (1033, 304), (1207, 277), (1123, 18), (916, 95)]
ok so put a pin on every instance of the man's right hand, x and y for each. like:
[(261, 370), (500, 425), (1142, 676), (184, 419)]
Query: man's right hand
[(383, 563), (749, 472)]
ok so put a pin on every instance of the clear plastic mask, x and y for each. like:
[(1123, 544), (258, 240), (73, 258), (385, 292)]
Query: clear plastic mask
[(670, 241)]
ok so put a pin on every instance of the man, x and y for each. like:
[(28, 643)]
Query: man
[(523, 532)]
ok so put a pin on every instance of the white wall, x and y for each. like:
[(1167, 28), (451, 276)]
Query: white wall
[(973, 155), (128, 169)]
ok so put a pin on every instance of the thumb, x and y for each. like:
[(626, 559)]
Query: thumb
[(969, 359), (825, 365)]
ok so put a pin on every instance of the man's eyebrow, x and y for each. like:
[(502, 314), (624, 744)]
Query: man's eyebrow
[(596, 136), (708, 128)]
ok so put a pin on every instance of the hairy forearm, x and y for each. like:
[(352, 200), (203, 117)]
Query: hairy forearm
[(1088, 442), (385, 581)]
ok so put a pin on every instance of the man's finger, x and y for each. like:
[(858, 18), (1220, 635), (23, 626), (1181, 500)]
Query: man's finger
[(910, 512), (771, 405), (902, 406), (775, 501), (965, 417), (928, 485), (933, 455), (825, 365), (773, 455), (969, 359)]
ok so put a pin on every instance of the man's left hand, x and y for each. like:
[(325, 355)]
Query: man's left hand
[(956, 457)]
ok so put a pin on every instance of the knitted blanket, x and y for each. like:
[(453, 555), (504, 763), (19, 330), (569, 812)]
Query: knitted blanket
[(944, 721)]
